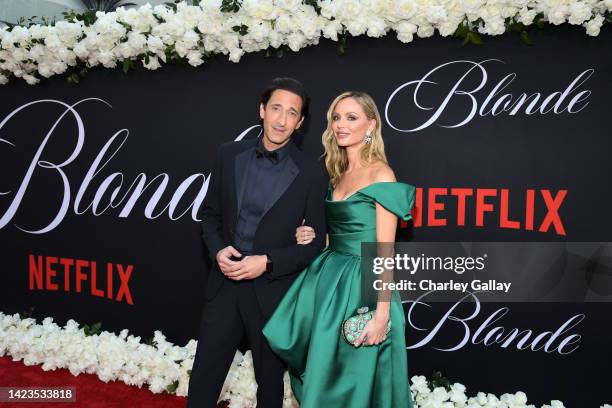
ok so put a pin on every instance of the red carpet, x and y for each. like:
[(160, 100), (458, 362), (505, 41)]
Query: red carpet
[(90, 391)]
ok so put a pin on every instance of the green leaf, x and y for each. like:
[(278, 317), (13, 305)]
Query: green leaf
[(73, 78), (171, 388), (525, 38), (461, 31), (314, 4), (230, 6), (437, 380), (476, 39), (241, 29), (127, 65), (342, 39), (27, 313), (539, 20)]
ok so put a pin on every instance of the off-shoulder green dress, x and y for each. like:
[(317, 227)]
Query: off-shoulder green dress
[(304, 331)]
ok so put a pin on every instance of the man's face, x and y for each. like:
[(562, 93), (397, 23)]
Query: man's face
[(281, 116)]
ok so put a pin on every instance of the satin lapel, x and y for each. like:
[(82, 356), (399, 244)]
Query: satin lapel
[(289, 174), (240, 174)]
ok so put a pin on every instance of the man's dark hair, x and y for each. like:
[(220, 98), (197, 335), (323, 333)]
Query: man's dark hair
[(291, 85)]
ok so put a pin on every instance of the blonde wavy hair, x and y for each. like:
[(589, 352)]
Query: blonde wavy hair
[(336, 160)]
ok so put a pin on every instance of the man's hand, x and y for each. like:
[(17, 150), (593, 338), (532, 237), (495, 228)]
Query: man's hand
[(250, 267), (224, 261)]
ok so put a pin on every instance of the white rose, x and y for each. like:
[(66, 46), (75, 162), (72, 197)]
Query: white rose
[(81, 50), (235, 54), (381, 7), (579, 12), (526, 16), (439, 394), (155, 44), (593, 26), (377, 27), (457, 393), (289, 5), (332, 29), (107, 58), (275, 39), (284, 24), (508, 11), (348, 10), (21, 35), (557, 14), (435, 14), (493, 26), (449, 27), (357, 27), (31, 80), (259, 9), (20, 54), (309, 24), (520, 398), (53, 41), (189, 15), (37, 31), (425, 31), (296, 41), (403, 10), (328, 8), (471, 6)]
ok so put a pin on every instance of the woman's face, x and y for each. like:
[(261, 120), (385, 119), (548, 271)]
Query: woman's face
[(350, 123)]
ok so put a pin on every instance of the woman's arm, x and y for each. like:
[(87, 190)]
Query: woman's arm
[(386, 225)]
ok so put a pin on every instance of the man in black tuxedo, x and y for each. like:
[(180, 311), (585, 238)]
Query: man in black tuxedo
[(260, 191)]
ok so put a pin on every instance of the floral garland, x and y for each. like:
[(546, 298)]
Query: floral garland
[(194, 31), (166, 367)]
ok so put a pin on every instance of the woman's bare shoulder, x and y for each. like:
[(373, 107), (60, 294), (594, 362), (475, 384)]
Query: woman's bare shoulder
[(381, 172)]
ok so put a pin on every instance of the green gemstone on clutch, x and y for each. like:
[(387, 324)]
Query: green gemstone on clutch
[(352, 327)]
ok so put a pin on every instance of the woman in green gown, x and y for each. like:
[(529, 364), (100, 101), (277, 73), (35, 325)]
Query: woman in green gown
[(362, 205)]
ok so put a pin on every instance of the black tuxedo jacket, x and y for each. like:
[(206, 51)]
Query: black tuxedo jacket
[(299, 194)]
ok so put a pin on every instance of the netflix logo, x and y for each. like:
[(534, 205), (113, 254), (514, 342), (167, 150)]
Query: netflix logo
[(473, 205), (110, 280)]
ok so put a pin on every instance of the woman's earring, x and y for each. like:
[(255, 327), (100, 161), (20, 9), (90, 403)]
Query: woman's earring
[(368, 138)]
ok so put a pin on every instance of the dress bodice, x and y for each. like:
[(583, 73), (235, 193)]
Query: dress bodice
[(352, 220)]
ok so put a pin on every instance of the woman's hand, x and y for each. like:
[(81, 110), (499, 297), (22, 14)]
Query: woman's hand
[(374, 331), (304, 234)]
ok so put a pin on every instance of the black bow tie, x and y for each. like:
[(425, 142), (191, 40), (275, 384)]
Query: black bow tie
[(262, 152)]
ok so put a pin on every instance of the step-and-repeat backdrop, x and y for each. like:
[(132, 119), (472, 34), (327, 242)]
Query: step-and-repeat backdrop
[(101, 185)]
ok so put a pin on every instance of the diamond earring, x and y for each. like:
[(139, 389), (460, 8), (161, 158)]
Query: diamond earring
[(368, 138)]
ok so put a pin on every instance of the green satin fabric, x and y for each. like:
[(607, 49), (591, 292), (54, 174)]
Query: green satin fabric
[(304, 331)]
